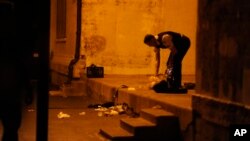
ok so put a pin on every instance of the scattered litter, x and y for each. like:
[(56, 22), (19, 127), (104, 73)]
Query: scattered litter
[(157, 107), (82, 113), (63, 115), (118, 109), (111, 113), (131, 89), (101, 109), (100, 114)]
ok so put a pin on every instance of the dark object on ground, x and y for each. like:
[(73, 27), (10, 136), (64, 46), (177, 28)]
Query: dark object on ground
[(163, 87), (106, 105)]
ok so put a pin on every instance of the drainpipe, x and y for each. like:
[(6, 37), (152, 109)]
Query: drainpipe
[(78, 42)]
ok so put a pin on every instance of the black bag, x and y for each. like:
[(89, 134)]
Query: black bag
[(95, 72)]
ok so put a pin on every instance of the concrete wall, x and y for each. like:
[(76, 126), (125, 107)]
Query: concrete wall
[(222, 68), (113, 33), (223, 54), (63, 50)]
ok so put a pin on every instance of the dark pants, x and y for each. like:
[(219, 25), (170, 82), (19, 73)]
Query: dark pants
[(175, 63)]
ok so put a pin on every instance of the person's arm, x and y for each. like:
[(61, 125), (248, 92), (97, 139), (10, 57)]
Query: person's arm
[(157, 59)]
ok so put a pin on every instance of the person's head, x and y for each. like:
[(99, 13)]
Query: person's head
[(150, 40)]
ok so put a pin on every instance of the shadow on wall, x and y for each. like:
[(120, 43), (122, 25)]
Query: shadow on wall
[(94, 44)]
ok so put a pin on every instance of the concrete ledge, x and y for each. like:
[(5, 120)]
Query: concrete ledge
[(213, 116), (104, 89), (221, 112)]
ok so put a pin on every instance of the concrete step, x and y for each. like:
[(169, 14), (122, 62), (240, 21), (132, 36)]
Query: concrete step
[(158, 116), (116, 134), (153, 124), (138, 126), (167, 124)]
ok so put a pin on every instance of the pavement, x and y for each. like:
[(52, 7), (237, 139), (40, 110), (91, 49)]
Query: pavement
[(82, 125)]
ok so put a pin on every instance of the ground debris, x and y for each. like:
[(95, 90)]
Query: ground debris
[(82, 113), (157, 107), (62, 115), (113, 110), (118, 109)]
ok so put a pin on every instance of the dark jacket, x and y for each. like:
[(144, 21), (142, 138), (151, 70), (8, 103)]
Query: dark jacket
[(178, 40)]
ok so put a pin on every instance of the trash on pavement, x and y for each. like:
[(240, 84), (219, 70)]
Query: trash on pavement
[(82, 113), (157, 107), (100, 113), (63, 115), (111, 111), (131, 89), (101, 109)]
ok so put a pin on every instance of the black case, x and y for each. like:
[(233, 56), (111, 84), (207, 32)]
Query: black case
[(95, 72)]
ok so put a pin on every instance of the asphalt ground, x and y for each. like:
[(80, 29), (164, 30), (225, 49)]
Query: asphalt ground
[(83, 123)]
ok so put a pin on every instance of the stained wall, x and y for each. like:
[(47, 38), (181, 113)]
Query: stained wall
[(113, 33), (223, 52)]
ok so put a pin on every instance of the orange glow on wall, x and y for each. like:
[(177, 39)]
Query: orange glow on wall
[(113, 33)]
